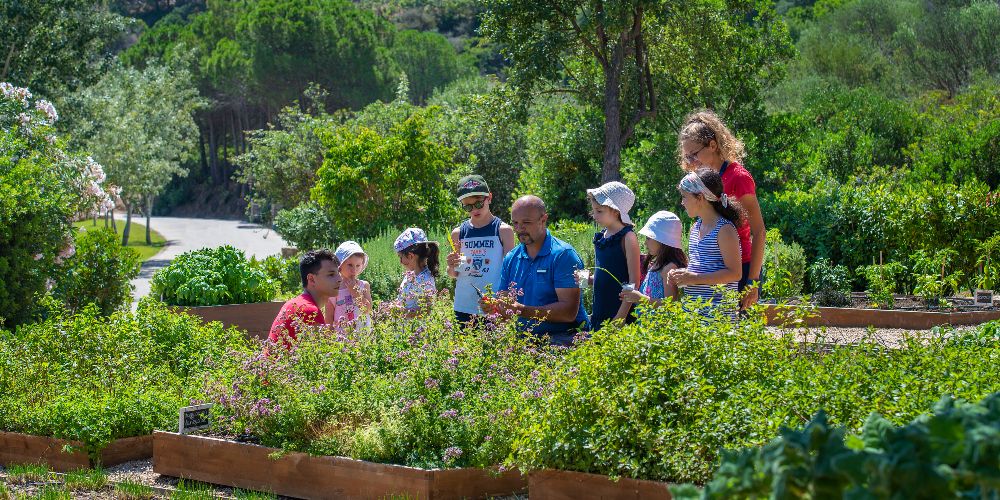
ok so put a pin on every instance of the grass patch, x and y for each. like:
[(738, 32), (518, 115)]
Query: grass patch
[(88, 479), (136, 237), (193, 490), (4, 492), (53, 492), (253, 495), (132, 490), (27, 473)]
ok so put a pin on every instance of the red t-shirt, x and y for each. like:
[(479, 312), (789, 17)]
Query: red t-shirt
[(303, 308), (736, 183)]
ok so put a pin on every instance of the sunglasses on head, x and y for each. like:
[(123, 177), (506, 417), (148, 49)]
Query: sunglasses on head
[(474, 206)]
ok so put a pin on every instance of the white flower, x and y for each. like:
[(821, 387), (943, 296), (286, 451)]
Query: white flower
[(51, 139), (38, 256), (49, 283), (24, 118), (94, 189), (47, 108), (7, 89)]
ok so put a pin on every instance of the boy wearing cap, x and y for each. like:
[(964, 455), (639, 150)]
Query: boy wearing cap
[(480, 245), (616, 252)]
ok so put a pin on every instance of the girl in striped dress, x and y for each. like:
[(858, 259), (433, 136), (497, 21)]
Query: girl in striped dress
[(714, 244)]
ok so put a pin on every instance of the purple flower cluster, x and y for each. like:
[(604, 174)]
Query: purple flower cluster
[(457, 395), (431, 383), (449, 414), (452, 453)]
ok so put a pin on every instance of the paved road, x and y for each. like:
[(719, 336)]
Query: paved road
[(184, 234)]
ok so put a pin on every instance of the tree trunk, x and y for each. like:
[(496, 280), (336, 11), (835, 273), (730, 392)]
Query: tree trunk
[(128, 224), (149, 210), (611, 166), (114, 225)]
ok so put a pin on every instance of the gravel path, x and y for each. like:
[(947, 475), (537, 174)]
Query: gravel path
[(184, 234), (890, 337)]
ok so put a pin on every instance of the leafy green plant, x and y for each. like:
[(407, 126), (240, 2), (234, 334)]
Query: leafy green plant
[(211, 277), (933, 282), (98, 273), (831, 285), (951, 453), (253, 495), (883, 282), (284, 271), (193, 490)]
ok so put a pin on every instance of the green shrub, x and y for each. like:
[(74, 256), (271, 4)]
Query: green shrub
[(785, 267), (660, 399), (307, 227), (989, 264), (94, 379), (211, 277), (371, 182), (98, 273), (284, 271), (952, 453), (830, 285)]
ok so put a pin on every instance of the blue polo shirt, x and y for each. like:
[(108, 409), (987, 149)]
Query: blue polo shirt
[(538, 278)]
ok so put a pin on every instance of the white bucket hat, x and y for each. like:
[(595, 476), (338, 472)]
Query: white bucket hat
[(617, 196), (349, 249), (664, 227)]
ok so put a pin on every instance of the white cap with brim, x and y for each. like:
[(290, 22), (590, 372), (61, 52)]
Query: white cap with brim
[(664, 227), (617, 196), (348, 249)]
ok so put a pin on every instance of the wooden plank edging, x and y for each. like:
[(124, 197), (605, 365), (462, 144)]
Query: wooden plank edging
[(17, 448), (255, 318), (879, 318), (549, 484), (261, 468)]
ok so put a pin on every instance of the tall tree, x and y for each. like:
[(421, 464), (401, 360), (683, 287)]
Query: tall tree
[(51, 46), (140, 126), (604, 52)]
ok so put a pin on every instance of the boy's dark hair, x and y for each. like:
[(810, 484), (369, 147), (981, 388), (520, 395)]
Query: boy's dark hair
[(312, 261), (427, 253)]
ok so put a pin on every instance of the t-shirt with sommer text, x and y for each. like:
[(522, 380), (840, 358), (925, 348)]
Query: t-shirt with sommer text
[(737, 183)]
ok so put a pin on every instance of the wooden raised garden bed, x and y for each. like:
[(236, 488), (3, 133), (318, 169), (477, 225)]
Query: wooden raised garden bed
[(260, 468), (879, 318), (550, 484), (255, 318), (16, 448)]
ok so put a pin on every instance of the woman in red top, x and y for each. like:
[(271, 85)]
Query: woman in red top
[(704, 141)]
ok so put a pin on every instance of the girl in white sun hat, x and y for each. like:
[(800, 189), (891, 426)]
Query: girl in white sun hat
[(663, 232), (616, 252), (354, 301)]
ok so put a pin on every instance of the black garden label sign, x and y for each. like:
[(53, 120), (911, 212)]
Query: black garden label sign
[(193, 418)]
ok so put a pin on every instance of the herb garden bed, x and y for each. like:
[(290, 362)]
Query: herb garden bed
[(254, 318), (879, 318), (549, 484), (17, 448), (261, 468)]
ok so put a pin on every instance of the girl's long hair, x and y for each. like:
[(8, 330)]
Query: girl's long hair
[(666, 255), (734, 212), (428, 253), (703, 127)]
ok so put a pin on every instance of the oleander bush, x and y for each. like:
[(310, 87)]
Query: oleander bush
[(92, 378), (661, 398), (212, 277), (100, 272)]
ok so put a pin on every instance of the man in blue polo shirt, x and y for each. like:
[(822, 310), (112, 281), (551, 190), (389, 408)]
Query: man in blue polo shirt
[(542, 268)]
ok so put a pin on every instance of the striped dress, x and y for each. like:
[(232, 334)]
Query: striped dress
[(704, 256)]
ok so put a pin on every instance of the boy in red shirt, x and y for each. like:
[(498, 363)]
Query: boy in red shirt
[(321, 279)]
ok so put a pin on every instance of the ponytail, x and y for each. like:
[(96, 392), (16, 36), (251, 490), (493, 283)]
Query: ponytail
[(428, 255)]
